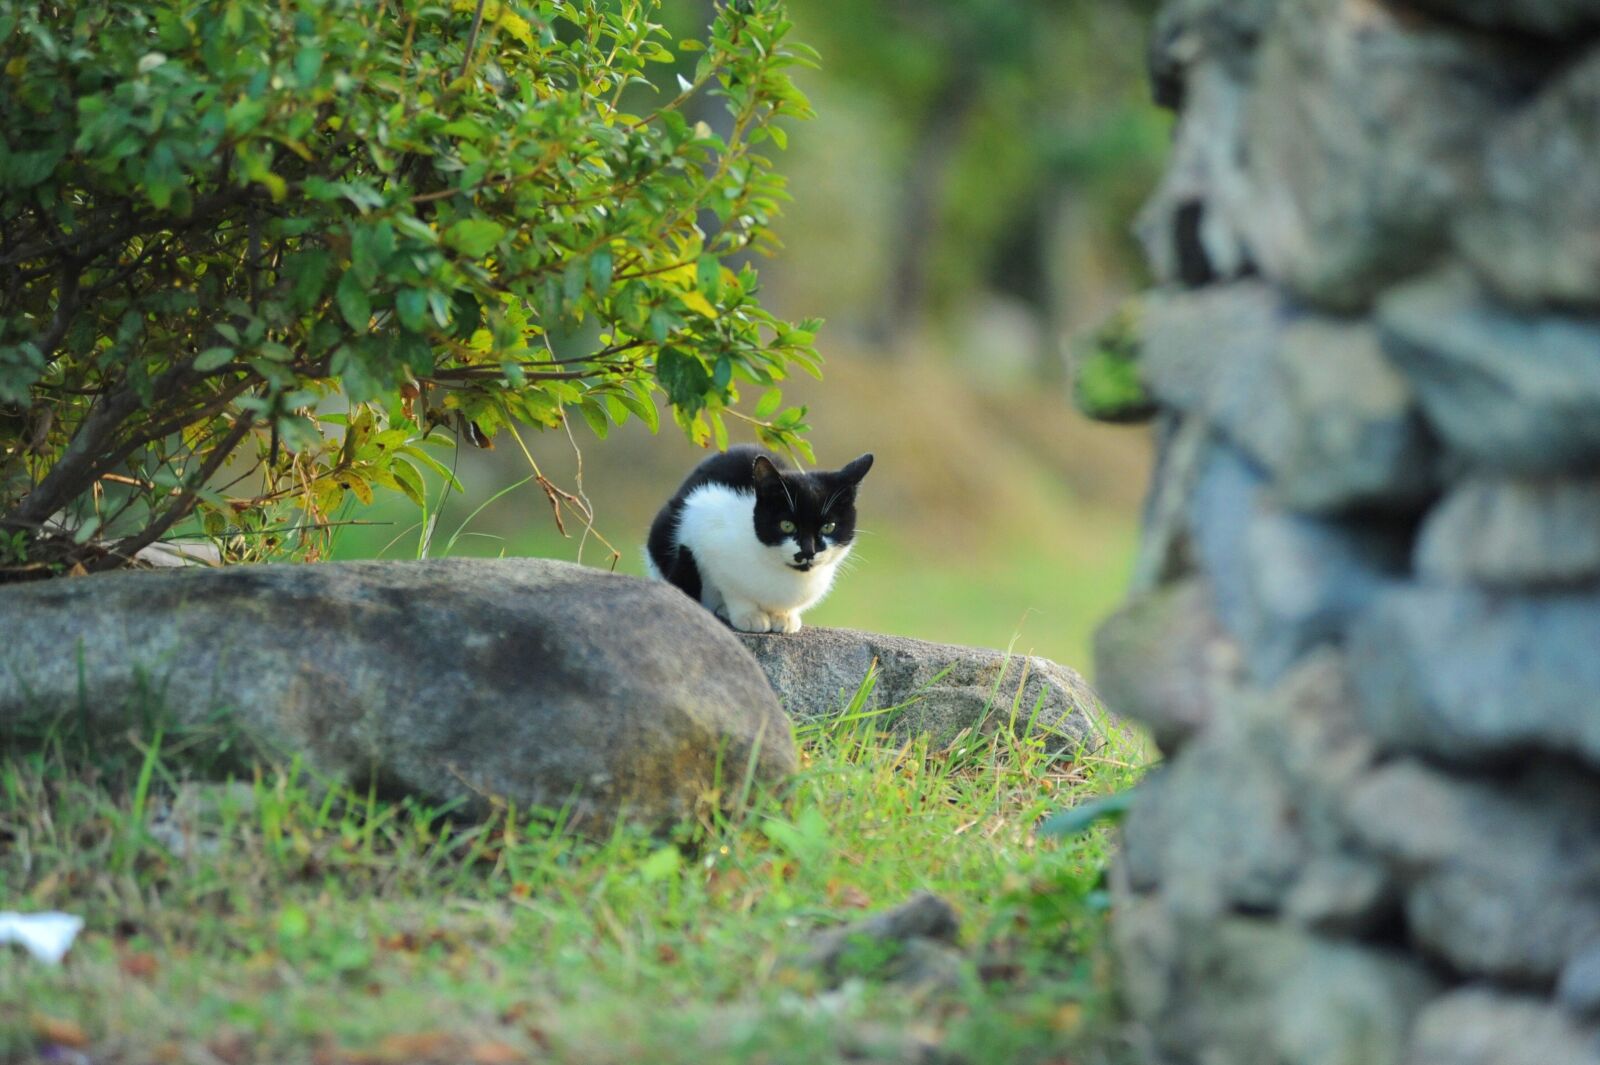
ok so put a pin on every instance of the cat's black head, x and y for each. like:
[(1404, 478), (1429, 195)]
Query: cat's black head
[(811, 517)]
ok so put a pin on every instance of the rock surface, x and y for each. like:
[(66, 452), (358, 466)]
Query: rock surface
[(1517, 240), (1552, 17), (1243, 990), (540, 683), (1481, 1027), (1505, 390), (1473, 677), (1514, 532), (939, 689), (1363, 131), (1283, 582), (1364, 622), (912, 944), (1311, 398), (1578, 990), (1165, 661), (1499, 876)]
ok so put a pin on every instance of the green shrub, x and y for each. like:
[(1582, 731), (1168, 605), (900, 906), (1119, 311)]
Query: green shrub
[(1106, 383), (251, 254)]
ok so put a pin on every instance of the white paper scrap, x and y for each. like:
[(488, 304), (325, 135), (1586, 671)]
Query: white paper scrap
[(47, 936)]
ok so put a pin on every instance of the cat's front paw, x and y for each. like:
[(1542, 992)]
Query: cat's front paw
[(750, 620), (785, 622)]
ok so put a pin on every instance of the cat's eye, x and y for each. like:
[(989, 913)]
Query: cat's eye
[(786, 526), (828, 528)]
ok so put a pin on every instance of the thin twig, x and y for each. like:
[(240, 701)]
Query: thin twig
[(126, 548)]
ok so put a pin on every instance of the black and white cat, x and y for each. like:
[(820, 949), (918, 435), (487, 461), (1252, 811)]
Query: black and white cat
[(754, 541)]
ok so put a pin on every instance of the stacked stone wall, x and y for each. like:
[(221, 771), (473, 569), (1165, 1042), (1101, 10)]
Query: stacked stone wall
[(1365, 627)]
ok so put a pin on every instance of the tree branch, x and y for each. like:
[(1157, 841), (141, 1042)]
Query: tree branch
[(126, 548)]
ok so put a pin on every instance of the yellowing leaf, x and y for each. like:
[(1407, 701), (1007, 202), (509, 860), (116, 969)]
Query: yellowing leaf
[(698, 303)]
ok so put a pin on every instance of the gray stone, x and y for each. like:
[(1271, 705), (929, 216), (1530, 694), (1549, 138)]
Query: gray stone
[(1364, 131), (1214, 829), (1499, 875), (534, 682), (911, 944), (1208, 352), (1192, 227), (1308, 729), (1202, 54), (1164, 553), (1476, 677), (1310, 398), (1240, 991), (1188, 33), (1283, 582), (1507, 531), (1533, 238), (1504, 390), (1555, 18), (1341, 894), (1356, 438), (1164, 660), (938, 689), (1249, 814), (1578, 990), (1481, 1026)]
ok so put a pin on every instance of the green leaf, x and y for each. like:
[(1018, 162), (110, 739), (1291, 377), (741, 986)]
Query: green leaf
[(595, 415), (307, 65), (411, 483), (354, 303), (474, 236), (213, 358), (769, 402), (642, 408), (708, 277), (684, 378), (600, 267), (433, 464), (1081, 818), (308, 271), (660, 865), (411, 305)]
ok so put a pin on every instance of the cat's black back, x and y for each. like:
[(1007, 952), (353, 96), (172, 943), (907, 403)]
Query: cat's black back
[(733, 468)]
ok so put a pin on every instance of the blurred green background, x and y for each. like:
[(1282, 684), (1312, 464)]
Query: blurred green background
[(961, 217)]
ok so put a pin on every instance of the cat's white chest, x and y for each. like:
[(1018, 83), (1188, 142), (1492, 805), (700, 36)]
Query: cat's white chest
[(745, 580)]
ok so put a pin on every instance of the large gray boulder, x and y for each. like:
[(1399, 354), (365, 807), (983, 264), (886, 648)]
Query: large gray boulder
[(921, 687), (536, 682), (1504, 390)]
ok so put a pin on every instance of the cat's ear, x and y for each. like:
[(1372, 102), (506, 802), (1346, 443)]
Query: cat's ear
[(855, 470), (765, 474)]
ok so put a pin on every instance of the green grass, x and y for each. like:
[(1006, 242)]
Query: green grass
[(302, 923)]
